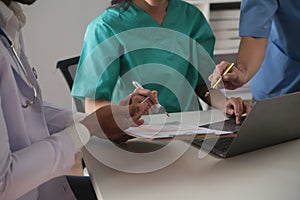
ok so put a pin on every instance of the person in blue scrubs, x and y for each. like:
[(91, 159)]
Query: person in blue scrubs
[(166, 45), (269, 49)]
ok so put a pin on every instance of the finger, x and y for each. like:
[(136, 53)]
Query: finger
[(128, 99), (146, 93), (235, 77), (238, 119), (215, 75), (234, 104), (238, 108), (155, 94), (138, 122), (247, 107), (137, 110), (221, 67), (132, 122), (232, 75), (230, 106), (213, 78), (136, 98), (230, 111)]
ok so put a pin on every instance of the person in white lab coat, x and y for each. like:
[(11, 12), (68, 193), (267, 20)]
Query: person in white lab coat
[(37, 140)]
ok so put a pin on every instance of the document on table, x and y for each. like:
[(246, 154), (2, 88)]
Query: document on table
[(172, 130)]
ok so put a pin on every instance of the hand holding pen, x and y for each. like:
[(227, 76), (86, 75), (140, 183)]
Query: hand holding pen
[(215, 84), (159, 107), (235, 78)]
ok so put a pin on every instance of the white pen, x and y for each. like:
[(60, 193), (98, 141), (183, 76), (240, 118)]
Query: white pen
[(160, 107)]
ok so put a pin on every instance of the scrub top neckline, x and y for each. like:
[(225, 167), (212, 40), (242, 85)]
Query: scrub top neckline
[(163, 24)]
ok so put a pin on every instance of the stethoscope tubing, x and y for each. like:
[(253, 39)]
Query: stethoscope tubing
[(10, 46)]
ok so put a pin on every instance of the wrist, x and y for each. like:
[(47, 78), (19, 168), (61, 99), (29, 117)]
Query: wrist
[(244, 76)]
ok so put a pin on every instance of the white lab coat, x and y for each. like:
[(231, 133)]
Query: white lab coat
[(35, 150)]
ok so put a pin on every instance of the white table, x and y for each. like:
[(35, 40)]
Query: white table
[(268, 174)]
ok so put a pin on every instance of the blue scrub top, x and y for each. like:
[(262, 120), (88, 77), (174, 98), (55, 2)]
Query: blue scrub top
[(278, 20), (125, 45)]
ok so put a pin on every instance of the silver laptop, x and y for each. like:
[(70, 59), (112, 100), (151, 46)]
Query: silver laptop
[(270, 122)]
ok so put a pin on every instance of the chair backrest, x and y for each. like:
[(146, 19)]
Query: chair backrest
[(68, 68)]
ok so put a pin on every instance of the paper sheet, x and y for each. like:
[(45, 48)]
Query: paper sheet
[(170, 130)]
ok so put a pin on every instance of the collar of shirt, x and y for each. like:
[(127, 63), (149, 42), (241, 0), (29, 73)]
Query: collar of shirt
[(12, 20)]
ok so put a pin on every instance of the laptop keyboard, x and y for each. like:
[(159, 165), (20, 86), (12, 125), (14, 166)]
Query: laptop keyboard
[(215, 145), (220, 145)]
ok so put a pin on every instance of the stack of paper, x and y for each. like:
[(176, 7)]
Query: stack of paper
[(171, 130)]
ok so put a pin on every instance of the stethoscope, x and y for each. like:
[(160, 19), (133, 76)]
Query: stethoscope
[(9, 44)]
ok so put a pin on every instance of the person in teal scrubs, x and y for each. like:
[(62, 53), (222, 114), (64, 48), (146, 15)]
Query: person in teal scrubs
[(165, 45), (269, 52)]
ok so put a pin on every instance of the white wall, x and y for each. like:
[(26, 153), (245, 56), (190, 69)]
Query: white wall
[(54, 31)]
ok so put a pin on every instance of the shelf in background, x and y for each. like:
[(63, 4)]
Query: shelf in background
[(223, 16), (224, 21)]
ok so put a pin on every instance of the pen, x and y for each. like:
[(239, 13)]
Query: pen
[(160, 107), (228, 68)]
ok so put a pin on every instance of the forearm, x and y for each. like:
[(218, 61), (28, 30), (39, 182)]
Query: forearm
[(111, 121), (92, 105), (29, 167), (250, 56), (108, 122)]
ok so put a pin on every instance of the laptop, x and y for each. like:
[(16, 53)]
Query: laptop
[(270, 122)]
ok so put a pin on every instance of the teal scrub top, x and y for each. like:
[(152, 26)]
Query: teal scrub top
[(125, 45)]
